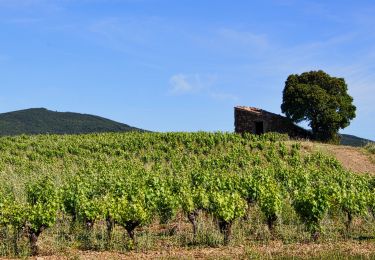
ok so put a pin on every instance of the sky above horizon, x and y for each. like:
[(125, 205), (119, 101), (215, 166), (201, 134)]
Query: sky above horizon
[(183, 65)]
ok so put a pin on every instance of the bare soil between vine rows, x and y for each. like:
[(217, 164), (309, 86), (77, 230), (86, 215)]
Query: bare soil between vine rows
[(271, 250)]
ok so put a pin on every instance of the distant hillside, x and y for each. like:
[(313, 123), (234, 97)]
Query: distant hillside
[(42, 121), (352, 140)]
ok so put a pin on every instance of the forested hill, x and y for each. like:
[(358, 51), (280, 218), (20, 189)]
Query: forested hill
[(352, 140), (42, 121)]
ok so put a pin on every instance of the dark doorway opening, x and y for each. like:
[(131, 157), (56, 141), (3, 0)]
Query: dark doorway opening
[(259, 129)]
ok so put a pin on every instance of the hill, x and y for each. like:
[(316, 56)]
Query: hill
[(352, 140), (42, 121)]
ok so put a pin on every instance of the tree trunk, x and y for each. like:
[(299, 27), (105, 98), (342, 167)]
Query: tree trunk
[(349, 221), (192, 216), (226, 230), (16, 234), (110, 225), (33, 239), (271, 222), (315, 235), (130, 227), (74, 217), (89, 224), (250, 203)]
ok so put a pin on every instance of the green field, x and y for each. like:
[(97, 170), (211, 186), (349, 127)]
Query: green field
[(108, 191)]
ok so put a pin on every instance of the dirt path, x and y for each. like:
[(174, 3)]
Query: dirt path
[(352, 158)]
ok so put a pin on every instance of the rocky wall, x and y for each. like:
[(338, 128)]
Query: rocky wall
[(246, 118)]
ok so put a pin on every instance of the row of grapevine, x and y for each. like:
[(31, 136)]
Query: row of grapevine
[(133, 179)]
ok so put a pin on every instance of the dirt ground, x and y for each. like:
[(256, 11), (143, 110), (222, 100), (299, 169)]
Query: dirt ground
[(353, 159), (272, 250)]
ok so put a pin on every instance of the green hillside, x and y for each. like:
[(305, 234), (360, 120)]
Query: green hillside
[(352, 140), (42, 121)]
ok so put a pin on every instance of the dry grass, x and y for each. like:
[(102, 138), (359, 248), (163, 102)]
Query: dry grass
[(271, 250)]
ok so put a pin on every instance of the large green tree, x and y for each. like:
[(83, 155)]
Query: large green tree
[(320, 99)]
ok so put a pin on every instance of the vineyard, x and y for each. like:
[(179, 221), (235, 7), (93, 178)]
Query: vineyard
[(108, 191)]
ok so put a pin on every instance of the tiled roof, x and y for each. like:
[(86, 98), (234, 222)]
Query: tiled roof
[(250, 109)]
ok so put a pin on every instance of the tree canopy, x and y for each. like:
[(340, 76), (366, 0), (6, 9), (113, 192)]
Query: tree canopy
[(320, 99)]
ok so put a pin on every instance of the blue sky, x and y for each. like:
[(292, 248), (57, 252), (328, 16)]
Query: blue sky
[(179, 65)]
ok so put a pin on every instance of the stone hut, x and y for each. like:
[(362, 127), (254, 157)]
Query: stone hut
[(258, 121)]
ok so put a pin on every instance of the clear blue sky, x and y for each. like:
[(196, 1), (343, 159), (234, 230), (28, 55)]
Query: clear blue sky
[(181, 65)]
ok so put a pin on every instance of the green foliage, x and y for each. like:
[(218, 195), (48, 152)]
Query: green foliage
[(311, 204), (353, 194), (81, 200), (320, 99), (43, 203), (133, 179), (162, 194), (370, 147), (131, 202), (12, 212), (371, 197), (269, 197), (227, 206)]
